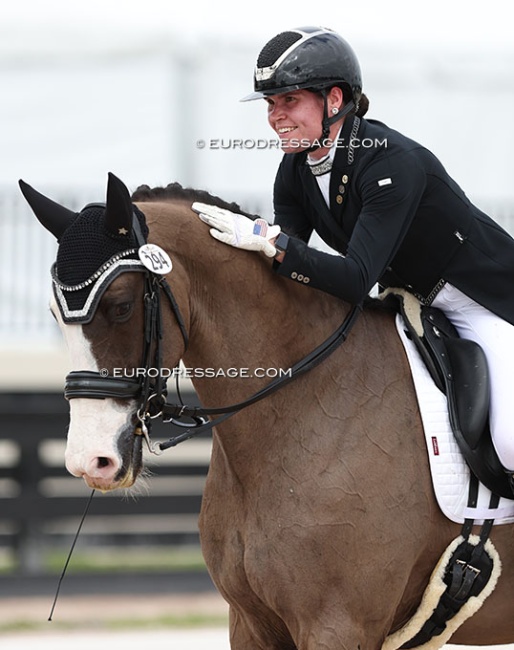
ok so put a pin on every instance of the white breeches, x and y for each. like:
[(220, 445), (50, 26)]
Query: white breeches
[(496, 337)]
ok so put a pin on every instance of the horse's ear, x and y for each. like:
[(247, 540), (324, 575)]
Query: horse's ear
[(118, 210), (53, 216)]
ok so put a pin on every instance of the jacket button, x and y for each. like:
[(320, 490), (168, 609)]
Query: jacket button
[(306, 280), (339, 199), (294, 275)]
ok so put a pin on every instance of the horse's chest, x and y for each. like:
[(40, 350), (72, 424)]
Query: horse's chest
[(243, 560), (257, 534), (251, 541)]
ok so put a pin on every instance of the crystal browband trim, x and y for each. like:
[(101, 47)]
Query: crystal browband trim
[(98, 287), (96, 274)]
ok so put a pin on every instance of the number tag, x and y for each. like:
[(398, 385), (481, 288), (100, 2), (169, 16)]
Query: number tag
[(155, 259)]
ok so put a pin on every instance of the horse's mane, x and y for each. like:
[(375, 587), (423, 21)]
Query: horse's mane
[(175, 191)]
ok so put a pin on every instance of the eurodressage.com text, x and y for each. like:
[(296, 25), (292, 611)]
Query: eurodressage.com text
[(197, 373), (290, 143)]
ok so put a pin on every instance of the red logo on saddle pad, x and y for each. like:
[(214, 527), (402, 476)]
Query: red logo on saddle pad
[(435, 446)]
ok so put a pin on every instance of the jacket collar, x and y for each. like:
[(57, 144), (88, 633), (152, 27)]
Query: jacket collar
[(347, 151), (344, 163)]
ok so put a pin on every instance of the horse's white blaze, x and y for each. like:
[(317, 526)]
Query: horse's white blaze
[(95, 424)]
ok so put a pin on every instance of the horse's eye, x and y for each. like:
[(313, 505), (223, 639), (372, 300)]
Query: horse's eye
[(122, 311)]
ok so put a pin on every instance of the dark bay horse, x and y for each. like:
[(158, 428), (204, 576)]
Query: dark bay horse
[(319, 524)]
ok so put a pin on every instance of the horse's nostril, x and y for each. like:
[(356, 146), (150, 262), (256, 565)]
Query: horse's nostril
[(103, 462)]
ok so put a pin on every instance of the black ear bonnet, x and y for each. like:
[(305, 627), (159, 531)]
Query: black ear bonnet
[(90, 257)]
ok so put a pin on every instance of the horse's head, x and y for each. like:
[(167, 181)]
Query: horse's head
[(107, 286)]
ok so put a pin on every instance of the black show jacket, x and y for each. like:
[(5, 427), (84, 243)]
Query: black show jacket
[(396, 217)]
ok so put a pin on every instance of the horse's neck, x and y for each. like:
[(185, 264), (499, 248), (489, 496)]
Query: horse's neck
[(249, 320), (241, 315), (245, 318)]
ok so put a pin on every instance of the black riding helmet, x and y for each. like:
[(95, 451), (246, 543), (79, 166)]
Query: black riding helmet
[(311, 58)]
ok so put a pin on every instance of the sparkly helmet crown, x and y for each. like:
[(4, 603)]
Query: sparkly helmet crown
[(308, 57)]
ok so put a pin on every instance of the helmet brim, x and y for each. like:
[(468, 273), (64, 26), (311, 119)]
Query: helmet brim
[(308, 85), (270, 92), (261, 94), (252, 97)]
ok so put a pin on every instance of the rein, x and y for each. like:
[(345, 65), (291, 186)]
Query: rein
[(152, 395)]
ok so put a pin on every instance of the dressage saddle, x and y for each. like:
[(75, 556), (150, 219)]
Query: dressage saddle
[(459, 369)]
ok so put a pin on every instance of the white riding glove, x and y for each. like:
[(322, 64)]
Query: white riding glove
[(237, 230)]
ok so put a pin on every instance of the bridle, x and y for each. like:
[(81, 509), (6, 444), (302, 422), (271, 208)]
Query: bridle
[(151, 395), (150, 388)]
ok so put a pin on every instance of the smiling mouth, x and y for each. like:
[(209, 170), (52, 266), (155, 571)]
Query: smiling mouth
[(285, 129)]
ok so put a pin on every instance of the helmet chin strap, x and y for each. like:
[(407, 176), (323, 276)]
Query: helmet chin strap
[(329, 120)]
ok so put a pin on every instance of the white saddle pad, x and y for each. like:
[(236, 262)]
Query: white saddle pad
[(450, 474)]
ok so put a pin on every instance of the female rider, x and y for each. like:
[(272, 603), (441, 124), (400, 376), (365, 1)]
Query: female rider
[(380, 199)]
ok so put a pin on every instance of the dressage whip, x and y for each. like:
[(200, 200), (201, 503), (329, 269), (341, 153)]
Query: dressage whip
[(70, 554)]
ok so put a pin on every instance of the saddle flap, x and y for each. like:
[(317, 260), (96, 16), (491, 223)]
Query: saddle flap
[(463, 366), (459, 369), (471, 394)]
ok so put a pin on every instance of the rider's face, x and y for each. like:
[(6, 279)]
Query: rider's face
[(296, 118)]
